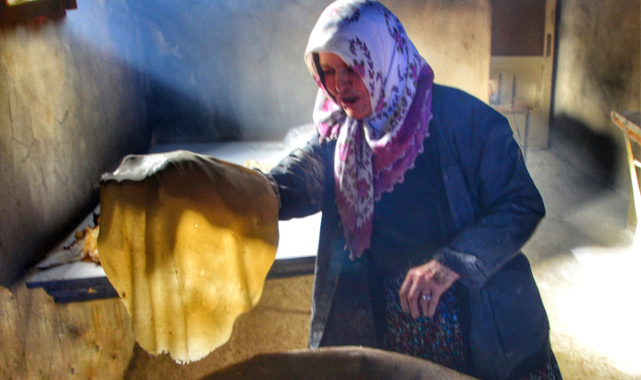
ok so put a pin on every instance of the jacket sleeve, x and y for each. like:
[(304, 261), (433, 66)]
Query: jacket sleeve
[(492, 196), (301, 178)]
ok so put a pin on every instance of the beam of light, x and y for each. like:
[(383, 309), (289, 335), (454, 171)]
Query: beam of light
[(183, 54), (601, 307)]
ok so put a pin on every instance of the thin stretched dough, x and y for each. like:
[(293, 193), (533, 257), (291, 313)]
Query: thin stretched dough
[(187, 241)]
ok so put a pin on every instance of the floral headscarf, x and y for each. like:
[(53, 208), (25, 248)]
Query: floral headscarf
[(372, 154)]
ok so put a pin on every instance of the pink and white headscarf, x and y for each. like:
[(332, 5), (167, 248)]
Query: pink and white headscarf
[(373, 154)]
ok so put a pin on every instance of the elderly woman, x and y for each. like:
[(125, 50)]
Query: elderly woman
[(426, 203)]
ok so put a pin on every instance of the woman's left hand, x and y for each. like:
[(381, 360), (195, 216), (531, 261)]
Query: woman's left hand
[(423, 287)]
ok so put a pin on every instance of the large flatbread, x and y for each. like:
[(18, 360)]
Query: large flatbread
[(187, 241)]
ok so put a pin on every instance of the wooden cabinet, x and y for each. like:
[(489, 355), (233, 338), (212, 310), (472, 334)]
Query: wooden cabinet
[(521, 66)]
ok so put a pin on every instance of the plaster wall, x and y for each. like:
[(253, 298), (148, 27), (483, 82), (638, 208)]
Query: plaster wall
[(454, 36), (234, 69), (598, 70), (599, 61), (68, 112)]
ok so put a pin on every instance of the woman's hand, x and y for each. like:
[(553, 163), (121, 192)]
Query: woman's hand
[(423, 287)]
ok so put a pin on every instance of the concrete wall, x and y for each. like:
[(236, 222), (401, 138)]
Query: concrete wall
[(69, 110), (234, 69), (598, 70)]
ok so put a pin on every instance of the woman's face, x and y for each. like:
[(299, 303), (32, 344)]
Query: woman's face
[(345, 85)]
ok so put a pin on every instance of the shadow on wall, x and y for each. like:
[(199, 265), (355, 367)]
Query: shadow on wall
[(176, 117), (599, 154)]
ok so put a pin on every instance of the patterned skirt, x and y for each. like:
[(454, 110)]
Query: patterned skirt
[(440, 339)]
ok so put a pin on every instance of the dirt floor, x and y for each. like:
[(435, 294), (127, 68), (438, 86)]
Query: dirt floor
[(586, 267)]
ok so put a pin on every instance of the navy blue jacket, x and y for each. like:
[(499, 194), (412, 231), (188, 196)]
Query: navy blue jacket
[(496, 208)]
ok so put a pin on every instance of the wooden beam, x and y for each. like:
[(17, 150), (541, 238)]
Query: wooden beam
[(33, 9), (632, 132), (631, 129)]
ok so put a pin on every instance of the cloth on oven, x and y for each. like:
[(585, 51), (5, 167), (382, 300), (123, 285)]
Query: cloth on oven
[(187, 241)]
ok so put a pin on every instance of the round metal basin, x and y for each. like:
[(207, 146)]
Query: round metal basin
[(336, 363)]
